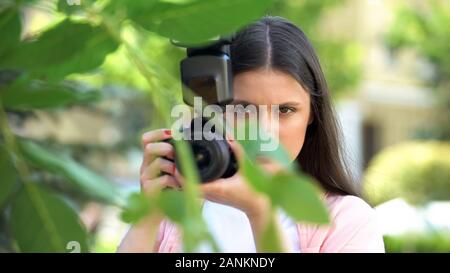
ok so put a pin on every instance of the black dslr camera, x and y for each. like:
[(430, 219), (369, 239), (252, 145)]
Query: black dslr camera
[(206, 72)]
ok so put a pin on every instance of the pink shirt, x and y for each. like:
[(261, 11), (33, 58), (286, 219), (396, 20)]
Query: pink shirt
[(353, 228)]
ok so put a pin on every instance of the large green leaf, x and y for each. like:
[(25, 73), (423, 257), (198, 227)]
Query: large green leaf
[(270, 240), (10, 27), (41, 222), (298, 196), (8, 176), (194, 22), (294, 193), (69, 47), (258, 143), (170, 202), (255, 175), (86, 180), (137, 206), (26, 95), (173, 204)]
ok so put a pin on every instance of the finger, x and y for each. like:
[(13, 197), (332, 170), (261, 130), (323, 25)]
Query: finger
[(155, 136), (156, 149), (157, 166), (159, 183), (179, 177)]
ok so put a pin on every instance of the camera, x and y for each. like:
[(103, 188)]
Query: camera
[(206, 72), (212, 153)]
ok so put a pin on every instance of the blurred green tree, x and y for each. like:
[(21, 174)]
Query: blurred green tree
[(423, 27), (341, 58), (51, 69)]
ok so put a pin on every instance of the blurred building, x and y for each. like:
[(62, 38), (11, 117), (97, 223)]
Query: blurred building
[(392, 102)]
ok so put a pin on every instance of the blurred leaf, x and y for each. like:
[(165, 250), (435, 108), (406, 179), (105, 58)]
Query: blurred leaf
[(263, 145), (69, 9), (421, 173), (270, 239), (52, 233), (89, 182), (195, 22), (255, 175), (138, 205), (173, 204), (298, 197), (170, 202), (69, 47), (8, 177), (294, 193), (10, 28), (26, 95)]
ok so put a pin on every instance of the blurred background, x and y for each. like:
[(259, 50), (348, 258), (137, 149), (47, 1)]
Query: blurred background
[(387, 63)]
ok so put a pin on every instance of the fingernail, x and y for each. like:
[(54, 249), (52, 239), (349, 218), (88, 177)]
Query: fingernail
[(168, 132)]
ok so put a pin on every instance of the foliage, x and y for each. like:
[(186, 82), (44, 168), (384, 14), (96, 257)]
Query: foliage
[(341, 58), (415, 171), (424, 29), (51, 70), (418, 243)]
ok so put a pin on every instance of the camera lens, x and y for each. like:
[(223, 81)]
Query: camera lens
[(212, 154), (202, 155)]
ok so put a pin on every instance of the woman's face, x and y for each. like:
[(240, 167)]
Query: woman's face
[(272, 87)]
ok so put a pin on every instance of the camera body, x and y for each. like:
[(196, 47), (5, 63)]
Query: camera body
[(206, 72)]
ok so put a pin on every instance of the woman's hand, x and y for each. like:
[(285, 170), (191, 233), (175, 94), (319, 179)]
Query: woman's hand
[(157, 172)]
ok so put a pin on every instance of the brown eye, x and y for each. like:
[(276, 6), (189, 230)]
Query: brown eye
[(285, 110)]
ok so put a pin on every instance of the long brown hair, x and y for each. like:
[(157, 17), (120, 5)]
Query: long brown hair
[(274, 42)]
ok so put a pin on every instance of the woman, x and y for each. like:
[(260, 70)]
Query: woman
[(273, 64)]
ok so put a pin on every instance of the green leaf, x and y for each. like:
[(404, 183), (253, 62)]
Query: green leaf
[(138, 205), (298, 197), (26, 95), (173, 204), (10, 28), (261, 144), (292, 191), (195, 22), (69, 47), (89, 182), (41, 222), (255, 175), (8, 177), (295, 193), (69, 8), (270, 239)]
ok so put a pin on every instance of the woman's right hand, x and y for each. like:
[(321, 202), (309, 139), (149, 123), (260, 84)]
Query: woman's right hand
[(157, 172), (142, 236)]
